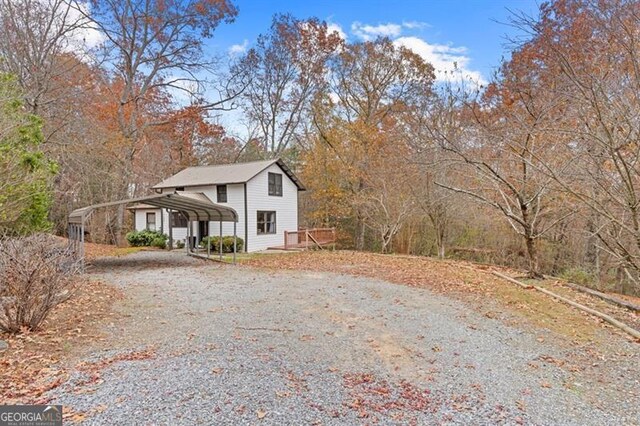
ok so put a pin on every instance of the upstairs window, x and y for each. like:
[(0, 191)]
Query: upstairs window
[(266, 222), (151, 221), (222, 193), (275, 184), (178, 220)]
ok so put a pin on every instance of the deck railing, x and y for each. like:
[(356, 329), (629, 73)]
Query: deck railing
[(306, 238)]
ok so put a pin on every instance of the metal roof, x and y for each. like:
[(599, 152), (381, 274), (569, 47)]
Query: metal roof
[(194, 205), (141, 206), (223, 174)]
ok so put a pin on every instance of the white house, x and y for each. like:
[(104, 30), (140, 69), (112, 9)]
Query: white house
[(263, 193)]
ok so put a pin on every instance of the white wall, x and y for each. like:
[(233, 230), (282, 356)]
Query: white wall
[(286, 208), (141, 218), (179, 234), (235, 200)]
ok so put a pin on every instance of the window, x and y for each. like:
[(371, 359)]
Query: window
[(222, 193), (151, 221), (178, 220), (266, 222), (275, 184)]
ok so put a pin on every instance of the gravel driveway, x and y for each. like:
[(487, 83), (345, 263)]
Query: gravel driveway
[(235, 345)]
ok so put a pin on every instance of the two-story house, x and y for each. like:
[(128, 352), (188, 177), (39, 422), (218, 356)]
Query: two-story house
[(263, 193)]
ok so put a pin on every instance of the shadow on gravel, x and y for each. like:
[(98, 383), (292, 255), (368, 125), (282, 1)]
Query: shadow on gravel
[(138, 261)]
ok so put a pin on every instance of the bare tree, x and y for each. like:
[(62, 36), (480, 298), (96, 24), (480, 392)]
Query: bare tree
[(39, 41), (285, 70), (153, 46), (595, 51), (439, 112), (500, 157), (371, 83), (387, 200)]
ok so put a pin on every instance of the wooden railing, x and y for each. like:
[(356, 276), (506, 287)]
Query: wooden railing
[(306, 238)]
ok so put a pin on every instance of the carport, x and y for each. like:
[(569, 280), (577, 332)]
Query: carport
[(195, 206)]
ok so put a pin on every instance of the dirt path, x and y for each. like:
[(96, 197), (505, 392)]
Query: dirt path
[(215, 344)]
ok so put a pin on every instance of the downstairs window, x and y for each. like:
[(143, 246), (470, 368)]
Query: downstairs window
[(266, 222)]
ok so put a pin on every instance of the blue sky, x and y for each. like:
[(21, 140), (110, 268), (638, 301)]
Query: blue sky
[(439, 30)]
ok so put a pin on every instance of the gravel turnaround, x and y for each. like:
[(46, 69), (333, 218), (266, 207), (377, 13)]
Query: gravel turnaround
[(235, 345)]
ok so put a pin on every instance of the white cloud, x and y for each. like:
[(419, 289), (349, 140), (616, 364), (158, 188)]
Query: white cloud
[(333, 27), (415, 25), (370, 32), (239, 49), (446, 60), (86, 36)]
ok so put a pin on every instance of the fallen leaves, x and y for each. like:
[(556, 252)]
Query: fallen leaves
[(36, 361), (461, 280), (92, 369), (373, 395)]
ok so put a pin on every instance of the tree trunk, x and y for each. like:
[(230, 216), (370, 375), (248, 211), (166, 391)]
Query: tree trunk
[(360, 230), (124, 194), (440, 237), (592, 251), (532, 253)]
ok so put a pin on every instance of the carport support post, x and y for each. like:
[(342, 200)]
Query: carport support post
[(188, 235), (234, 242), (220, 242), (170, 229), (209, 240)]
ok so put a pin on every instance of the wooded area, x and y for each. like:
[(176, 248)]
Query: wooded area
[(536, 170)]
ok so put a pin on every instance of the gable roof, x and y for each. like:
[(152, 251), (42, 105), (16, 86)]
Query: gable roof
[(222, 174)]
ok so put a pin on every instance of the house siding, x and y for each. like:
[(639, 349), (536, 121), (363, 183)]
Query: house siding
[(258, 198), (235, 200), (286, 208), (141, 218)]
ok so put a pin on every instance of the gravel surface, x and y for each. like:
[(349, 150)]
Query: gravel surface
[(235, 345)]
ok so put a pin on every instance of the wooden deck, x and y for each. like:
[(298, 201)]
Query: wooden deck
[(303, 239)]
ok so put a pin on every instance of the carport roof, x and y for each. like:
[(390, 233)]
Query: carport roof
[(195, 205)]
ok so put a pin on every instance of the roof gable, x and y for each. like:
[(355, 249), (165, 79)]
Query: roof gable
[(224, 174)]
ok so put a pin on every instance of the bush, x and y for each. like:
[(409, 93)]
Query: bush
[(147, 238), (160, 242), (37, 273), (227, 244), (578, 276), (180, 244)]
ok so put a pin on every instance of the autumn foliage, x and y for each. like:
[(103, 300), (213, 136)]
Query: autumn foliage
[(536, 169)]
